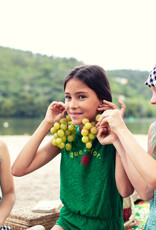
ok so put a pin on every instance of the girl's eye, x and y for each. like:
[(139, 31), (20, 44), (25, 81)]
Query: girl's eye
[(67, 97), (82, 96)]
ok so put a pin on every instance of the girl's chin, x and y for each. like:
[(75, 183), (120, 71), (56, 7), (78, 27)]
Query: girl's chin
[(76, 122)]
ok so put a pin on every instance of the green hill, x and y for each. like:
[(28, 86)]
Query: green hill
[(29, 82)]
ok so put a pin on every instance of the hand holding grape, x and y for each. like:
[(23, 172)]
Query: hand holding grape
[(105, 121), (55, 112)]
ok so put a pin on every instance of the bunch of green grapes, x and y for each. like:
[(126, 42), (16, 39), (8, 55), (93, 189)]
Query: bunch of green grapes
[(89, 131), (63, 130)]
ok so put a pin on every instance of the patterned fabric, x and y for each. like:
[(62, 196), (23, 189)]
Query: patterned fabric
[(4, 227), (151, 222), (142, 212), (151, 81)]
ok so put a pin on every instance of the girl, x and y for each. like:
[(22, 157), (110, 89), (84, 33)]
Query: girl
[(7, 186), (93, 181), (139, 166)]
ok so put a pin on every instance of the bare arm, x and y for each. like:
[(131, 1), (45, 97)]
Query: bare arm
[(123, 183), (32, 156), (137, 181), (7, 184)]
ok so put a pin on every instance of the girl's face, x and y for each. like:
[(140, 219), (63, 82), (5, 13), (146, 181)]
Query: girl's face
[(153, 99), (80, 101)]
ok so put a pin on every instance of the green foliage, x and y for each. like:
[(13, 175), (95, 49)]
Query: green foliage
[(29, 82), (134, 93)]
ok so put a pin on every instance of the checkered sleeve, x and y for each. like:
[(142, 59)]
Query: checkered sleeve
[(5, 227), (151, 80)]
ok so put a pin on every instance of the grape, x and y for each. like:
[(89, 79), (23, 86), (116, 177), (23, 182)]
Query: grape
[(63, 120), (85, 120), (71, 138), (73, 132), (54, 142), (88, 125), (68, 118), (68, 146), (91, 136), (64, 138), (84, 132), (58, 140), (55, 135), (89, 145), (63, 126), (67, 132), (71, 127), (53, 130), (93, 130), (56, 125), (97, 117), (61, 146), (60, 133), (85, 139)]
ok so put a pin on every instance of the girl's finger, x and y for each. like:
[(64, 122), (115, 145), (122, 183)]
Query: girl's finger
[(123, 108)]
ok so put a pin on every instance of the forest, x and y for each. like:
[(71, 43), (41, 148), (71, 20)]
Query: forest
[(30, 82)]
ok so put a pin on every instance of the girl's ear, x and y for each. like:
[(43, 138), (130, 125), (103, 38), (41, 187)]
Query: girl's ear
[(101, 102)]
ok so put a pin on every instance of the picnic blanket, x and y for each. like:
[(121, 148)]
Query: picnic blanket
[(142, 212)]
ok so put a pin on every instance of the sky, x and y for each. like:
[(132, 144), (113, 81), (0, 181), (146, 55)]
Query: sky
[(115, 34)]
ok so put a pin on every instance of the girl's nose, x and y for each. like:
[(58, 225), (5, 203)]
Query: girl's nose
[(153, 99), (73, 104)]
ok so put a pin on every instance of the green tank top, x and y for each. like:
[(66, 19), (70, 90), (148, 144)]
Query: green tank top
[(88, 186)]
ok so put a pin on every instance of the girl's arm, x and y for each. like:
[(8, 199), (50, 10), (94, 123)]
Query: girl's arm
[(123, 183), (137, 181), (124, 186), (140, 167), (32, 156), (7, 184)]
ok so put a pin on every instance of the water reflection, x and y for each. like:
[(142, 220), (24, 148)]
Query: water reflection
[(139, 126), (26, 126), (18, 126)]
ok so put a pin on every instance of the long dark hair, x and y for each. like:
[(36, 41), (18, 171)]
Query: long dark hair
[(94, 77)]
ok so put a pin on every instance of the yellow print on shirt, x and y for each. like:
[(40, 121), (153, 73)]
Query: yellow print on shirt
[(91, 152)]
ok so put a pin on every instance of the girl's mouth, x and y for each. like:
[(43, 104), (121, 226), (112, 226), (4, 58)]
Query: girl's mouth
[(75, 115)]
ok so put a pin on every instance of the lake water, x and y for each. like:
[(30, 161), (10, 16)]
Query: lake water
[(26, 126)]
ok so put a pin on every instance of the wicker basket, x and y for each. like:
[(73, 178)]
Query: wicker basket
[(128, 205), (23, 218)]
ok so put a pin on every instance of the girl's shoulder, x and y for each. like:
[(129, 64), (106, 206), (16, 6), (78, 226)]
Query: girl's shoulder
[(152, 130), (2, 144), (152, 137), (3, 149)]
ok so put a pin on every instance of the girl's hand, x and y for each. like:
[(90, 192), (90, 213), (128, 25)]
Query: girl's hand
[(113, 118), (106, 105), (106, 133), (55, 112), (105, 136)]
